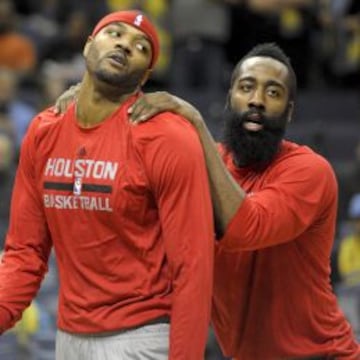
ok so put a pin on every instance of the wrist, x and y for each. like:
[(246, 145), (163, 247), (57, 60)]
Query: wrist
[(198, 123)]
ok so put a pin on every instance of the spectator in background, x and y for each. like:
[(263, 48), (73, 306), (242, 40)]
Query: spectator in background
[(94, 10), (52, 85), (200, 31), (340, 42), (348, 175), (17, 51), (18, 111), (287, 22), (63, 53), (7, 172), (296, 25), (6, 125), (349, 247)]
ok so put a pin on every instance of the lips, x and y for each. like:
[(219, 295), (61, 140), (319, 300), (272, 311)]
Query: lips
[(255, 117), (119, 57), (253, 122), (252, 126)]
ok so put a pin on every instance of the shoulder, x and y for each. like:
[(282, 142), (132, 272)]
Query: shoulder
[(310, 171), (42, 123), (303, 158), (168, 129)]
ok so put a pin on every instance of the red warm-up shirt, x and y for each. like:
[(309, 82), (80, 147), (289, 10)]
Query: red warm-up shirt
[(272, 294), (128, 211)]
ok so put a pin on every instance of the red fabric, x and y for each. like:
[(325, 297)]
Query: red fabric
[(137, 246), (137, 19), (272, 293)]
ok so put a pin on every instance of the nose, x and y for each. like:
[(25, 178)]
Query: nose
[(257, 100), (124, 44)]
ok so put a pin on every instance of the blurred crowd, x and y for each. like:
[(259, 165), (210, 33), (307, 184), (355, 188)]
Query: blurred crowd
[(41, 44)]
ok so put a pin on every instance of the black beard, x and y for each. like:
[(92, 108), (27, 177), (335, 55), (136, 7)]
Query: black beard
[(248, 148), (119, 80)]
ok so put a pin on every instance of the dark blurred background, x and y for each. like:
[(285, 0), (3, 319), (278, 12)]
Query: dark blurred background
[(41, 44)]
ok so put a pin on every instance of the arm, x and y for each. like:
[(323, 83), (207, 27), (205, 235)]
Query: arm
[(27, 246), (247, 222), (176, 171), (300, 194), (226, 194)]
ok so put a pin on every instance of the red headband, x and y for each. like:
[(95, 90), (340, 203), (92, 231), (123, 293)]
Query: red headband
[(137, 19)]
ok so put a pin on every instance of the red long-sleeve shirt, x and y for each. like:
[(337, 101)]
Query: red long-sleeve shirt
[(128, 211), (272, 294)]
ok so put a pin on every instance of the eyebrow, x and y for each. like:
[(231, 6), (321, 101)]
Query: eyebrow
[(123, 27), (268, 83)]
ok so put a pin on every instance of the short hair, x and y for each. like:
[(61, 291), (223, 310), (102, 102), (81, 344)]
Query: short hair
[(273, 51)]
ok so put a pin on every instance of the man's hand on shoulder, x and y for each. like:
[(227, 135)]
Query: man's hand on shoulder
[(154, 103), (66, 98)]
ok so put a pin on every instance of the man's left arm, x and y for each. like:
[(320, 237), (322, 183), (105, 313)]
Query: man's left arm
[(299, 194), (177, 174)]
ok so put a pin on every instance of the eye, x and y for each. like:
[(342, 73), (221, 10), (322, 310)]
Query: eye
[(114, 33), (274, 93), (246, 87), (142, 47)]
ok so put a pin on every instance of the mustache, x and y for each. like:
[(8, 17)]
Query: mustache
[(250, 113), (268, 122), (118, 55)]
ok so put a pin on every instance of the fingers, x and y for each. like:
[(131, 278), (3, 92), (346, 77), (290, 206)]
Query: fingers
[(141, 111), (57, 107), (151, 104), (63, 101), (60, 106)]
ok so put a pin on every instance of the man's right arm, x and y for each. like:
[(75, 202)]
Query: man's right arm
[(179, 184), (27, 245), (226, 194)]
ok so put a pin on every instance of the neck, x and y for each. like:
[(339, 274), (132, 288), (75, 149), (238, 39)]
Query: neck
[(97, 101)]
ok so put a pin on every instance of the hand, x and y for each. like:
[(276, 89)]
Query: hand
[(154, 103), (66, 98)]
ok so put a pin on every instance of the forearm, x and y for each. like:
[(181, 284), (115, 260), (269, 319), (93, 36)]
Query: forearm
[(21, 273), (190, 315), (226, 194)]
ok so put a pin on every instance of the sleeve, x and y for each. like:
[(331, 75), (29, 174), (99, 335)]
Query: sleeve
[(300, 192), (27, 244), (177, 174)]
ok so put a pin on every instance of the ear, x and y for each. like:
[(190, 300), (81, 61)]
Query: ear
[(87, 44), (228, 104), (290, 113)]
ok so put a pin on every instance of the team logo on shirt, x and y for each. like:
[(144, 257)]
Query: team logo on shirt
[(87, 180)]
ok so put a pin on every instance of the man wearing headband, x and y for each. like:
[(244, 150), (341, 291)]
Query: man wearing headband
[(127, 210)]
